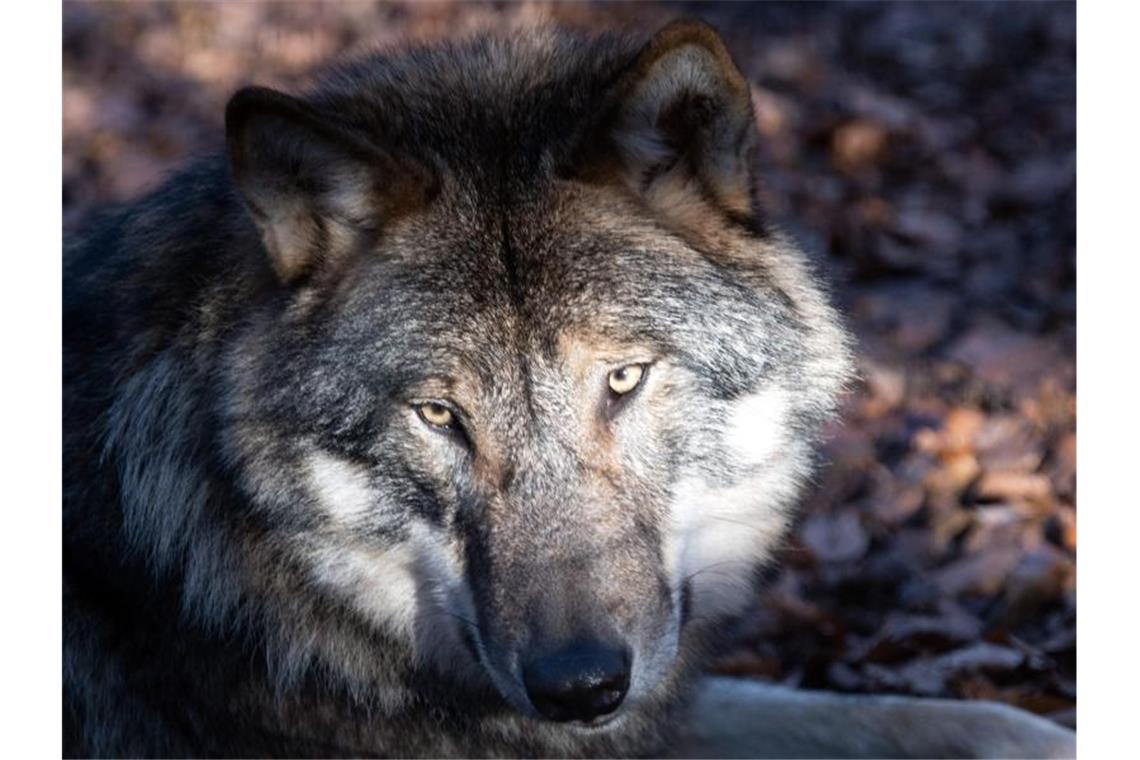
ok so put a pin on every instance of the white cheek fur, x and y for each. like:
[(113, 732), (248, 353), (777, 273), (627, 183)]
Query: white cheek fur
[(379, 582), (340, 487), (757, 424), (396, 588), (721, 531)]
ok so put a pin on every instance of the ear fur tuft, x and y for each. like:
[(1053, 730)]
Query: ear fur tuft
[(683, 127), (311, 185)]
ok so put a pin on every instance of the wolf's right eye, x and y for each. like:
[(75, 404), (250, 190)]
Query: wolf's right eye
[(436, 415)]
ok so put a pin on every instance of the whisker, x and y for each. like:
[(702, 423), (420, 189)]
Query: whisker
[(733, 521), (469, 622), (713, 566)]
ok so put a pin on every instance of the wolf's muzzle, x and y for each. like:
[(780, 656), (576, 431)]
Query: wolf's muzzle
[(582, 681)]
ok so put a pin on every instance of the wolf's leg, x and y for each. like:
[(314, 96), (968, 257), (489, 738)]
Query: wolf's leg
[(732, 717)]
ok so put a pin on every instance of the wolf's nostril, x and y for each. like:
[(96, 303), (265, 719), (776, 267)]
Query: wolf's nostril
[(580, 682)]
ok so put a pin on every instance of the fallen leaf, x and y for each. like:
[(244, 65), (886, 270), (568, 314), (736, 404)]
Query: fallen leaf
[(859, 144), (904, 636), (929, 676), (835, 538), (1005, 486), (983, 573)]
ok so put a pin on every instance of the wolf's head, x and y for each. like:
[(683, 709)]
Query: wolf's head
[(534, 387)]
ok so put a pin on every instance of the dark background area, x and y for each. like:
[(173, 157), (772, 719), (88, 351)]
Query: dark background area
[(926, 155)]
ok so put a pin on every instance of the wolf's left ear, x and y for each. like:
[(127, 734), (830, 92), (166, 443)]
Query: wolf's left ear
[(681, 124)]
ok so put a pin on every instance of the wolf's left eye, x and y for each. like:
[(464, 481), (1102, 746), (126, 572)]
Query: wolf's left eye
[(436, 415), (625, 379)]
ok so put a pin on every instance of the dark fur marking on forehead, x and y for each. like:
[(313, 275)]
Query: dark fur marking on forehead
[(528, 385), (511, 266)]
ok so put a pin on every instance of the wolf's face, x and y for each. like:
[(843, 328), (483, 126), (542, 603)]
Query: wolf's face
[(553, 429)]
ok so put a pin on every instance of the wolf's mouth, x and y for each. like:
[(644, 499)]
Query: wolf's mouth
[(604, 723)]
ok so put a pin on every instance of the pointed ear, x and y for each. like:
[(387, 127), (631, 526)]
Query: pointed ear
[(681, 124), (312, 187)]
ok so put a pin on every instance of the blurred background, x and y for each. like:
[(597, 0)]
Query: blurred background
[(925, 153)]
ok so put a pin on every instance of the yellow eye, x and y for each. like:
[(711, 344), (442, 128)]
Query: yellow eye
[(625, 379), (435, 414)]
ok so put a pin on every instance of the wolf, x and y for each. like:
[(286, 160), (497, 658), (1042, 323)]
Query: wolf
[(452, 410)]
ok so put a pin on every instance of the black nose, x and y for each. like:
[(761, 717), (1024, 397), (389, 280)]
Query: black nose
[(580, 682)]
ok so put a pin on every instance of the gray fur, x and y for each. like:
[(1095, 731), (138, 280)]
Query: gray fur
[(267, 550)]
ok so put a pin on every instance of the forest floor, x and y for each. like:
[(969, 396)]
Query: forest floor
[(926, 155)]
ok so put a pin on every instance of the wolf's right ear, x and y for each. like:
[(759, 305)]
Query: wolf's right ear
[(312, 187)]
